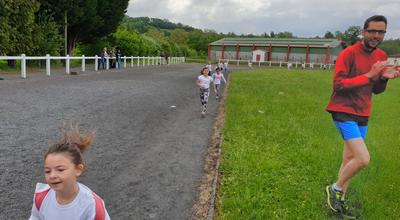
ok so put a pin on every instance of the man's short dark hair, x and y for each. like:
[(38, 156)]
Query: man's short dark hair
[(375, 18)]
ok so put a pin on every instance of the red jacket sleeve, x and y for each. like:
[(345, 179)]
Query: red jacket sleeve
[(343, 80)]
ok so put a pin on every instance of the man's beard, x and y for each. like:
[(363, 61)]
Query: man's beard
[(375, 42)]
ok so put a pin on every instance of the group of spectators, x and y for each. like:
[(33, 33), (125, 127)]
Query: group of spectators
[(114, 60)]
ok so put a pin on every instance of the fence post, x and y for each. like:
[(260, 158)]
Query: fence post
[(131, 61), (152, 61), (108, 63), (96, 63), (48, 64), (23, 66), (67, 70), (148, 61), (144, 61), (124, 62), (83, 63)]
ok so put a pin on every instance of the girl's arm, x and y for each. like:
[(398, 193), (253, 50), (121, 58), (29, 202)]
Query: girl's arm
[(223, 78), (34, 213), (198, 83)]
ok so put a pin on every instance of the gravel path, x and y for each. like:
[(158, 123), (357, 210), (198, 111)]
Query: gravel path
[(147, 160)]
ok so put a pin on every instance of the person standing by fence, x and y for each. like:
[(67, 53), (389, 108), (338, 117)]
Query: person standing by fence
[(103, 55), (360, 70), (118, 58)]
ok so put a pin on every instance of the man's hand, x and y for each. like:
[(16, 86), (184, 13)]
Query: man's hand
[(391, 72), (376, 69)]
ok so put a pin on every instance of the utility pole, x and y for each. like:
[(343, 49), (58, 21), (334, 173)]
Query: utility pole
[(65, 33)]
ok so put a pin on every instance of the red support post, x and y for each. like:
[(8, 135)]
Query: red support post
[(328, 55), (288, 53), (209, 52), (237, 51), (223, 51), (270, 52), (307, 53)]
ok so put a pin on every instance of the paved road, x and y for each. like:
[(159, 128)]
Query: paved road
[(147, 160)]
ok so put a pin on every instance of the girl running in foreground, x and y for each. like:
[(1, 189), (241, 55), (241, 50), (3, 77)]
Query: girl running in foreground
[(203, 82), (63, 198)]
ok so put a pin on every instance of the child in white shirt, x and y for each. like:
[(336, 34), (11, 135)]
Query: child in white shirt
[(63, 198), (203, 82)]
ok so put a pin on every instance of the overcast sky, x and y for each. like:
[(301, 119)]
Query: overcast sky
[(304, 18)]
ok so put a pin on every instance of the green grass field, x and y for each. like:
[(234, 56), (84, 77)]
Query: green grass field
[(281, 149)]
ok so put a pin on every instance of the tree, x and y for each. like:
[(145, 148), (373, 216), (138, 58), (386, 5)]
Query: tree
[(272, 34), (17, 27), (47, 39), (352, 35), (285, 34), (391, 47), (179, 36), (156, 34), (87, 20), (328, 35)]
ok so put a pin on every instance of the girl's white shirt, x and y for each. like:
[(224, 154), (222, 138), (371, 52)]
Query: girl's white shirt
[(205, 81), (81, 208)]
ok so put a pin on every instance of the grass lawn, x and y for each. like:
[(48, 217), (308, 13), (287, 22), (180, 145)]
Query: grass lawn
[(281, 149)]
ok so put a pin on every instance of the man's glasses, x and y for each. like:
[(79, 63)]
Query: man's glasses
[(379, 32)]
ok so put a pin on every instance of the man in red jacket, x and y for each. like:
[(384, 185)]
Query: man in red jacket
[(360, 70)]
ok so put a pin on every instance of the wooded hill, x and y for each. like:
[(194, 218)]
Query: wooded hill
[(144, 36), (37, 27)]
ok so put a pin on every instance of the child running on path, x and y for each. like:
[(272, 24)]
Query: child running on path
[(203, 82), (63, 198), (218, 77)]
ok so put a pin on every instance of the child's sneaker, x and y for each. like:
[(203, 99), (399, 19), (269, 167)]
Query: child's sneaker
[(203, 113)]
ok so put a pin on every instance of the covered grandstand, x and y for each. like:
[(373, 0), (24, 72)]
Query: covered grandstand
[(302, 50)]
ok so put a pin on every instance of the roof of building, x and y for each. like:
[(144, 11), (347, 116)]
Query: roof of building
[(294, 42)]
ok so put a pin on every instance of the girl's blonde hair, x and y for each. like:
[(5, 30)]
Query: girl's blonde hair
[(73, 143)]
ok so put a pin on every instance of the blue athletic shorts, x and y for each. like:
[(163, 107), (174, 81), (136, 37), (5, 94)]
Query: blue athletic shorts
[(350, 130)]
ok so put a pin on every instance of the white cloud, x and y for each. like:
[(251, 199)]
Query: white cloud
[(304, 18), (178, 7)]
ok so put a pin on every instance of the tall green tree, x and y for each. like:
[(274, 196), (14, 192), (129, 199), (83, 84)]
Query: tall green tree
[(391, 47), (328, 35), (87, 20), (284, 34), (352, 35), (179, 36), (17, 26)]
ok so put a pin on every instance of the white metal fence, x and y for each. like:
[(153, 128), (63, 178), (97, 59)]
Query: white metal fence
[(289, 65), (134, 61)]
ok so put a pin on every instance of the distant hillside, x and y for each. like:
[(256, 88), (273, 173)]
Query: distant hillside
[(144, 24), (144, 36)]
